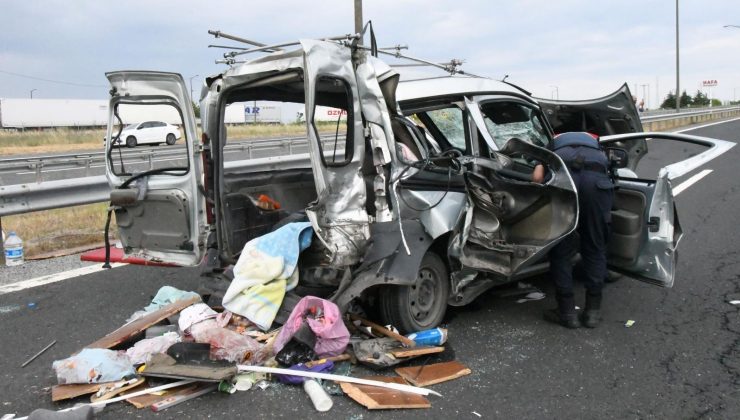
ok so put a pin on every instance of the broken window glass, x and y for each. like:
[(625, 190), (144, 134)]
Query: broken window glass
[(505, 120)]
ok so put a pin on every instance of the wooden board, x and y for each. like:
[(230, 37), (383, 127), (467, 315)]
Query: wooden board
[(132, 328), (426, 375), (67, 391), (384, 331), (375, 398), (109, 392), (418, 351), (143, 401)]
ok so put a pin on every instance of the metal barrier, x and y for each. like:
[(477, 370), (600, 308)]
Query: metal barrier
[(29, 197)]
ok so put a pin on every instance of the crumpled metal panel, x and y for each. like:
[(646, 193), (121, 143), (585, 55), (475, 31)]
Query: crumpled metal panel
[(339, 215), (380, 132)]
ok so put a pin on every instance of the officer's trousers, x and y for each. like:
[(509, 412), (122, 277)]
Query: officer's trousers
[(595, 199)]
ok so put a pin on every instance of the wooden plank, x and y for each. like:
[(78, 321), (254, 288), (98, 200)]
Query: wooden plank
[(375, 398), (419, 351), (67, 391), (182, 396), (110, 391), (384, 331), (143, 401), (135, 327), (426, 375)]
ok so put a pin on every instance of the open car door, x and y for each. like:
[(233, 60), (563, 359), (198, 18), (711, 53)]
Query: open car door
[(612, 114), (513, 222), (645, 226), (159, 208)]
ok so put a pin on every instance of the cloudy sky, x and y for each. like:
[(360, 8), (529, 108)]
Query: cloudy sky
[(573, 48)]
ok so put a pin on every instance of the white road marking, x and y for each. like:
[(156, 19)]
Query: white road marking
[(53, 278), (691, 181), (706, 125)]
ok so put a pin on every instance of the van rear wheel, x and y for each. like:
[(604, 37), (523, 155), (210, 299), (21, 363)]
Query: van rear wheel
[(422, 305)]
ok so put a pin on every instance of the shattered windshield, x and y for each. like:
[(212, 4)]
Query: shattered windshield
[(505, 120)]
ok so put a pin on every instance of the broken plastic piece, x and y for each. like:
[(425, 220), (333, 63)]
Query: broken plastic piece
[(629, 323), (735, 302), (320, 399)]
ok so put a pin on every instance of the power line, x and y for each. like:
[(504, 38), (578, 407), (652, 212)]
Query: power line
[(52, 81)]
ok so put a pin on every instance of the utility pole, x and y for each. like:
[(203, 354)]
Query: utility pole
[(358, 19), (33, 90), (191, 88), (644, 95), (678, 80)]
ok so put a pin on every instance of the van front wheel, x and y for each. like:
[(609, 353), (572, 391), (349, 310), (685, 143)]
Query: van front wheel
[(422, 305)]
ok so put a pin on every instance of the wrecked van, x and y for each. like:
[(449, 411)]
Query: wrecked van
[(421, 197)]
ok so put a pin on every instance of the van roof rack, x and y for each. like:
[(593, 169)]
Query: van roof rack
[(452, 67)]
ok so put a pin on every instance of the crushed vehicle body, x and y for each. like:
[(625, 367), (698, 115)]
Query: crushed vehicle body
[(421, 200)]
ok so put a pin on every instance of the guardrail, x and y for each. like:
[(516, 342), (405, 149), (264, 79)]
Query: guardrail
[(672, 114), (29, 197), (655, 112), (86, 161)]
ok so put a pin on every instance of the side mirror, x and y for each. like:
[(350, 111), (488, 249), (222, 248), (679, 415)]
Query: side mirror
[(618, 158)]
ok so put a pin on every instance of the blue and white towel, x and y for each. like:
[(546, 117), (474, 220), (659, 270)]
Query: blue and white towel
[(265, 271)]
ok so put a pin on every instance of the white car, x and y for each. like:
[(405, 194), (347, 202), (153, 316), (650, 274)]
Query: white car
[(148, 132)]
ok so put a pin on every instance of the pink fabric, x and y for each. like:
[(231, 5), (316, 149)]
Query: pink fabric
[(332, 336)]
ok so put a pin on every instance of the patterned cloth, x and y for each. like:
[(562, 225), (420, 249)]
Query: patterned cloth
[(265, 271)]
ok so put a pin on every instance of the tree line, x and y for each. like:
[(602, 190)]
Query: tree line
[(698, 100)]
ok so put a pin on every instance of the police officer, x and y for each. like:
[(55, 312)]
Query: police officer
[(589, 168)]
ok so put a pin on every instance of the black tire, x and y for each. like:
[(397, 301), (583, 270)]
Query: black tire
[(170, 140), (420, 306), (131, 141)]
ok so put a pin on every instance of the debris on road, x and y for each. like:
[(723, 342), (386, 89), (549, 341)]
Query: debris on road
[(426, 375), (180, 338), (735, 302), (32, 358), (629, 323)]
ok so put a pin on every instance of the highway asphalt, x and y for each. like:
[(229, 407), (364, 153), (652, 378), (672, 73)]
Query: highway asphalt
[(680, 359)]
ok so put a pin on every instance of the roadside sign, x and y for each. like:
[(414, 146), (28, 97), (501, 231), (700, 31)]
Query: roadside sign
[(709, 83)]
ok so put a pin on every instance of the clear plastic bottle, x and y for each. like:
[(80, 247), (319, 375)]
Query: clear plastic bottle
[(13, 250)]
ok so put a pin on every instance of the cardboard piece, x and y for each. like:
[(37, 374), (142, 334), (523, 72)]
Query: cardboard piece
[(374, 398), (426, 375), (129, 330), (418, 351), (68, 391), (163, 366)]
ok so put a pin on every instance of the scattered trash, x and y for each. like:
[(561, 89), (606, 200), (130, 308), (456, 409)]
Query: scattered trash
[(374, 398), (32, 358), (108, 391), (476, 414), (142, 350), (426, 375), (320, 399), (629, 323), (13, 246), (31, 305), (531, 296), (165, 296), (93, 366), (433, 337), (325, 322), (9, 308), (735, 302), (204, 350)]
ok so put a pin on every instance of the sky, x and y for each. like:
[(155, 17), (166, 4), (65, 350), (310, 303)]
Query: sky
[(571, 49)]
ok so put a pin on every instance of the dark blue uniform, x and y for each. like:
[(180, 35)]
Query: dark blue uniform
[(588, 166)]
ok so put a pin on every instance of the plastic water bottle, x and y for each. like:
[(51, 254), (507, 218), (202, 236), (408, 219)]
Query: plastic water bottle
[(13, 250), (433, 337)]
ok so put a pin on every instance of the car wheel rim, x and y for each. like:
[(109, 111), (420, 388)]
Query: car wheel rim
[(423, 294)]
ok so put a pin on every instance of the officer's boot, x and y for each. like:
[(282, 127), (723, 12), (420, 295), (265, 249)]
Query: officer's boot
[(591, 315), (565, 314)]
